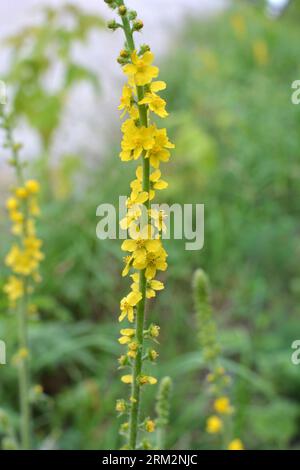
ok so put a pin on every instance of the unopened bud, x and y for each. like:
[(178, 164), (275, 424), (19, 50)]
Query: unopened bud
[(144, 48), (132, 15), (138, 25), (124, 54), (113, 25), (122, 10), (122, 61), (111, 3)]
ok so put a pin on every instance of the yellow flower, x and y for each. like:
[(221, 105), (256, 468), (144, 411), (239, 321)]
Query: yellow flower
[(156, 104), (149, 425), (236, 444), (16, 216), (159, 85), (128, 262), (21, 193), (146, 379), (38, 389), (153, 355), (260, 52), (32, 186), (141, 69), (158, 217), (127, 305), (214, 425), (136, 198), (158, 152), (22, 354), (127, 103), (155, 182), (127, 334), (14, 289), (222, 406), (126, 379), (154, 331), (238, 24), (121, 406), (140, 246), (152, 285), (12, 204), (151, 261), (135, 140), (133, 214)]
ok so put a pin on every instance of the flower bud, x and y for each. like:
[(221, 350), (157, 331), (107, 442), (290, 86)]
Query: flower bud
[(144, 48), (138, 25), (124, 54), (111, 3), (122, 61), (122, 10), (113, 25), (132, 15)]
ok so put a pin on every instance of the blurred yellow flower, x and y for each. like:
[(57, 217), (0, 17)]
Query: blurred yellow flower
[(214, 425), (236, 444)]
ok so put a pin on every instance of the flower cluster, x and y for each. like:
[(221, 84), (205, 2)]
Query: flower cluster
[(25, 254), (147, 144)]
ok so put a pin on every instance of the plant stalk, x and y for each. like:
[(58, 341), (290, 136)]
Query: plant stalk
[(140, 314)]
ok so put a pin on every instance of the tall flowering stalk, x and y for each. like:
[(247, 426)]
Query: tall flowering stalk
[(219, 422), (23, 259), (149, 146)]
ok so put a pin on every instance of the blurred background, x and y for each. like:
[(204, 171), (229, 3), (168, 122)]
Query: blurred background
[(229, 66)]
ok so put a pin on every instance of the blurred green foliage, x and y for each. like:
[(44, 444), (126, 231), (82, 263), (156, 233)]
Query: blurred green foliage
[(237, 135)]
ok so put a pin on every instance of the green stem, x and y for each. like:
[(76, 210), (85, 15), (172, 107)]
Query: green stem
[(24, 372), (140, 314)]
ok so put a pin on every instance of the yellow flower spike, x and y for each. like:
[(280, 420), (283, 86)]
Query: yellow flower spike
[(23, 259), (222, 405), (214, 425), (143, 141), (236, 444)]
